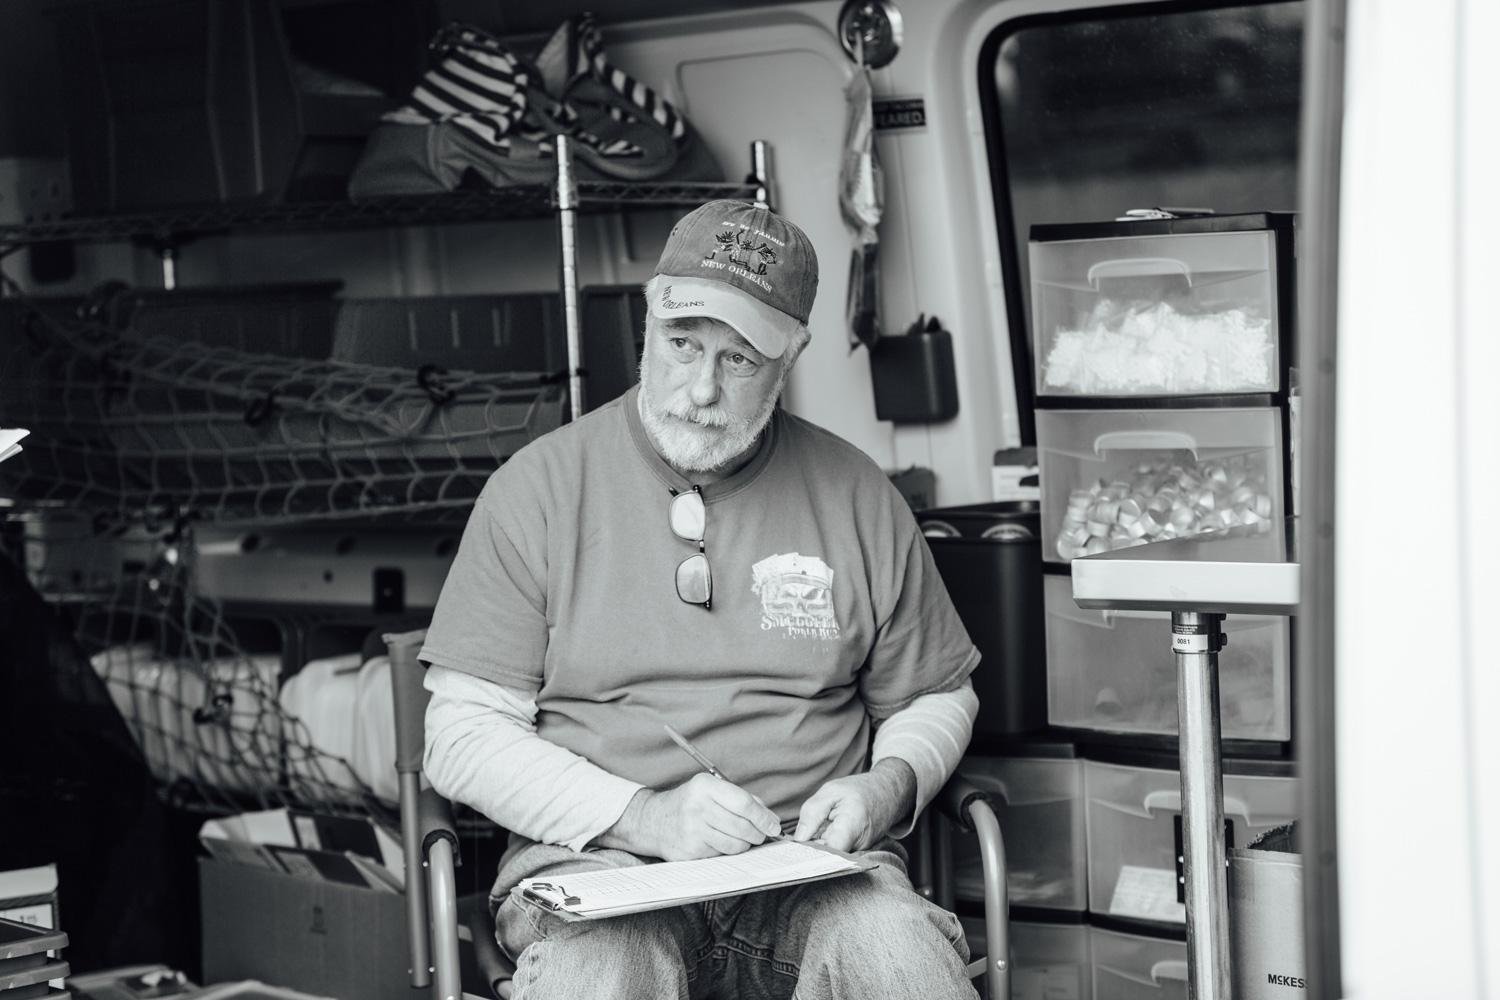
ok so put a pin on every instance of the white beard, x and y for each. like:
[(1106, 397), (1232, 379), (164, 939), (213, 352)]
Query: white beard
[(701, 439)]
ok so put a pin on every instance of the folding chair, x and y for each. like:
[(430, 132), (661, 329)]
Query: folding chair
[(431, 847)]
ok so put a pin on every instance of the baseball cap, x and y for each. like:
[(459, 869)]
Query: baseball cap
[(742, 264)]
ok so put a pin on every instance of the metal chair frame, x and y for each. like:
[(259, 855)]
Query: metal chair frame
[(431, 848)]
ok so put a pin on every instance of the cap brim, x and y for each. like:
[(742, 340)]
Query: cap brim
[(768, 330)]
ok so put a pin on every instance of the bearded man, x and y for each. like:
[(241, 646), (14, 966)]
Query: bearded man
[(689, 555)]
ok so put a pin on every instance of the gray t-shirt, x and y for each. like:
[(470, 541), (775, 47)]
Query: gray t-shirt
[(827, 609)]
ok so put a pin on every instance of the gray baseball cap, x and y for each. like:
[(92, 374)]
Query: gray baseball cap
[(742, 264)]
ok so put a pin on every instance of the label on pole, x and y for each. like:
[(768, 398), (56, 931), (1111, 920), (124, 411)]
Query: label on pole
[(1191, 639)]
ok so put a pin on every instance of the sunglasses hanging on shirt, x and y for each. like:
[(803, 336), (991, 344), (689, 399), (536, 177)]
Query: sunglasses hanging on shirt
[(689, 520)]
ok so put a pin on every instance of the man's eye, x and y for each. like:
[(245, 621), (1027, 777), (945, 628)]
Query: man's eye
[(741, 361), (678, 342)]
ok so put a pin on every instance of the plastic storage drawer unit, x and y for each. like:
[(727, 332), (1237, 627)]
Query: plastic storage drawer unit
[(1113, 671), (1191, 313), (1116, 478), (1134, 831), (1047, 960), (1137, 967), (1039, 803)]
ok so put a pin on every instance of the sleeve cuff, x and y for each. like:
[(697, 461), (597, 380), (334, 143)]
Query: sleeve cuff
[(611, 796)]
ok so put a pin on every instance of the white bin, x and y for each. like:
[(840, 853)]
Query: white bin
[(1114, 671)]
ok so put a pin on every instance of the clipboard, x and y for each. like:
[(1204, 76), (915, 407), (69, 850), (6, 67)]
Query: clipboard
[(611, 892)]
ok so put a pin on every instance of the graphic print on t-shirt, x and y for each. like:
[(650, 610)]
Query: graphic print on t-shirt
[(796, 596)]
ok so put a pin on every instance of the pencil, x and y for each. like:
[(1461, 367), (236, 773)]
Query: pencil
[(692, 752)]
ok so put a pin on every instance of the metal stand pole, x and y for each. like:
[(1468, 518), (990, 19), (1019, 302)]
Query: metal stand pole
[(760, 172), (1197, 639), (567, 240), (168, 267)]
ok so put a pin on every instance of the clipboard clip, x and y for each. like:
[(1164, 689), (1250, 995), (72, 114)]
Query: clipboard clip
[(534, 890)]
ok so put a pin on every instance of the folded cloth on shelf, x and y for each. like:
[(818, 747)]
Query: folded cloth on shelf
[(625, 129), (465, 114), (483, 112)]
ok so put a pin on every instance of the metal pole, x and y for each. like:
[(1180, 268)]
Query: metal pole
[(1197, 639), (416, 883), (567, 240), (760, 171), (168, 268)]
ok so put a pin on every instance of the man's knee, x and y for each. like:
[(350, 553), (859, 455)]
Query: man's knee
[(643, 954), (882, 915)]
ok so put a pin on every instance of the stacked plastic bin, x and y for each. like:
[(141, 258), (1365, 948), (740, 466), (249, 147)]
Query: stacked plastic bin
[(30, 961), (1161, 353), (1036, 788)]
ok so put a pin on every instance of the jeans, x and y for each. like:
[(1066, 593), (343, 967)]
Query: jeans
[(862, 937)]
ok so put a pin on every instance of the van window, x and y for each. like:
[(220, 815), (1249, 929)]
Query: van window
[(1092, 113)]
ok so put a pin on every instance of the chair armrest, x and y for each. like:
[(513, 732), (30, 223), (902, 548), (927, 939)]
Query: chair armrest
[(435, 821), (954, 799)]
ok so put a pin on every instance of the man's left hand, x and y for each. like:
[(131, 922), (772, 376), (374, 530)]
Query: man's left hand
[(851, 814)]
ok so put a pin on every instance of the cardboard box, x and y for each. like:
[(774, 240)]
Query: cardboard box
[(314, 935), (1265, 925)]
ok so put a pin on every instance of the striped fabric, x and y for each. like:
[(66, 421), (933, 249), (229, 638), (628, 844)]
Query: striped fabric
[(591, 58), (930, 734), (482, 87), (477, 85)]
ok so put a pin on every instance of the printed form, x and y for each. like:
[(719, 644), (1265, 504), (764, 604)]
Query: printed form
[(610, 891)]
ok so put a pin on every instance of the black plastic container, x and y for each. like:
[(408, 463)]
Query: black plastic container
[(990, 558), (914, 378)]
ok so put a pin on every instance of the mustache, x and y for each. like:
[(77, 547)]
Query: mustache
[(702, 415)]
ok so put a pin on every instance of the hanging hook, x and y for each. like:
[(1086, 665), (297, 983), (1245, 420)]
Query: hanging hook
[(430, 378), (870, 31)]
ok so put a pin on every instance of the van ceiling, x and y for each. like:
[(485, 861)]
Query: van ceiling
[(524, 16)]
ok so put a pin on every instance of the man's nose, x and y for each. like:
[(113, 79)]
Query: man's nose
[(704, 389)]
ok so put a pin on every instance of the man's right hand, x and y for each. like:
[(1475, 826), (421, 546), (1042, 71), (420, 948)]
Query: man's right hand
[(700, 818)]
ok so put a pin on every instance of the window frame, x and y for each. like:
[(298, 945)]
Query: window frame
[(1018, 324)]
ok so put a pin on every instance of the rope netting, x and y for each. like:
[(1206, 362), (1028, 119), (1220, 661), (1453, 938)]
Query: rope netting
[(126, 425), (137, 437), (224, 721)]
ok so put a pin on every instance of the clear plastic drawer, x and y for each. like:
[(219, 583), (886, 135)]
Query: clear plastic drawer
[(1114, 671), (1039, 803), (1116, 478), (1175, 315), (1136, 967), (1047, 961), (1134, 823)]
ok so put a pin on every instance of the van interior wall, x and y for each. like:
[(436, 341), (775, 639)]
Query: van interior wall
[(774, 73)]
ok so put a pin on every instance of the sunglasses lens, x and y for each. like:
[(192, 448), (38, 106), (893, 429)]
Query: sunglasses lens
[(695, 584), (687, 516)]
